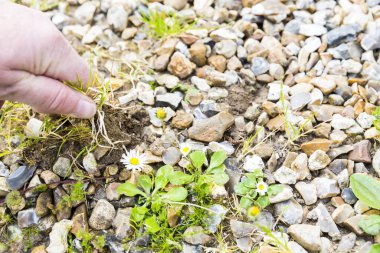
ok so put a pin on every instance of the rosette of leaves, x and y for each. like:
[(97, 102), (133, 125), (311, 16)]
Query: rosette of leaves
[(366, 189), (154, 194), (246, 189), (207, 173)]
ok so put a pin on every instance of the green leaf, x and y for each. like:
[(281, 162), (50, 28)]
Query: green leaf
[(216, 170), (241, 189), (198, 158), (138, 213), (179, 178), (262, 202), (245, 202), (164, 171), (370, 224), (156, 204), (275, 189), (145, 182), (217, 159), (130, 190), (160, 182), (255, 174), (250, 182), (221, 179), (151, 224), (375, 248), (366, 188), (176, 194)]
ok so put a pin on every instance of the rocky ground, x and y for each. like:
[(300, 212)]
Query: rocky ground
[(283, 93)]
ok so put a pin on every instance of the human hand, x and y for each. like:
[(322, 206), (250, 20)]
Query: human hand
[(35, 59)]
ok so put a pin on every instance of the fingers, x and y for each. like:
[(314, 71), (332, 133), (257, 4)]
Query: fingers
[(1, 103), (47, 95)]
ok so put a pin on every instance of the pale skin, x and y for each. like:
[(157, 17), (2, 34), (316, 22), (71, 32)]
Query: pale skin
[(35, 60)]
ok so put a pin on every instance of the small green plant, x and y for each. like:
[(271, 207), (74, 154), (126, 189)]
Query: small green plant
[(29, 235), (88, 241), (366, 189), (14, 199), (77, 194), (274, 240), (376, 114), (206, 178), (161, 24), (254, 192)]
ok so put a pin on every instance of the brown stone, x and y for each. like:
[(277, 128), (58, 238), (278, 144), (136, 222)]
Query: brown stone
[(161, 62), (323, 130), (316, 144), (188, 39), (337, 201), (167, 47), (43, 202), (182, 120), (198, 54), (39, 249), (270, 108), (219, 62), (360, 153), (180, 66), (79, 223), (276, 123)]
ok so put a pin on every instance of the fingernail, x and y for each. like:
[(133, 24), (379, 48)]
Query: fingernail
[(85, 109)]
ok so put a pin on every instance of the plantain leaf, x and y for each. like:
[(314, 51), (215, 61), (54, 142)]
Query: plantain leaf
[(370, 224), (366, 188)]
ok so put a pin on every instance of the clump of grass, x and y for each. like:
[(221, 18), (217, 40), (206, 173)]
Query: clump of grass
[(161, 24), (376, 114)]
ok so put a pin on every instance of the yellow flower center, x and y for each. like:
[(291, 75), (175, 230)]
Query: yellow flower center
[(185, 149), (160, 113), (134, 161), (261, 187), (255, 211)]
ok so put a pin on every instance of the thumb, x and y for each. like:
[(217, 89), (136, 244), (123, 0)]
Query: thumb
[(47, 95)]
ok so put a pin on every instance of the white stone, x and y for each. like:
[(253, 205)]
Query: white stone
[(312, 30), (339, 122), (253, 163), (33, 128), (58, 237)]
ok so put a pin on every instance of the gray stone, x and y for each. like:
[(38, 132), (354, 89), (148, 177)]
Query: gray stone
[(312, 30), (259, 65), (85, 12), (169, 99), (376, 162), (308, 236), (187, 248), (296, 248), (195, 235), (226, 48), (342, 213), (20, 176), (335, 152), (290, 212), (62, 167), (121, 223), (346, 243), (341, 34), (308, 192), (102, 215), (241, 229), (210, 108), (284, 175), (26, 218), (117, 18), (285, 194), (326, 187), (215, 218), (171, 156), (58, 237), (325, 222), (244, 243), (318, 160), (348, 196), (90, 164), (371, 41), (299, 100)]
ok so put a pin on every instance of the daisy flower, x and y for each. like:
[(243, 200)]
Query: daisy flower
[(185, 148), (261, 188), (133, 160)]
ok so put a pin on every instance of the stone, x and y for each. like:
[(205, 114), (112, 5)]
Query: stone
[(290, 212), (316, 144), (300, 100), (176, 4), (117, 18), (259, 65), (341, 123), (371, 41), (58, 237), (285, 175), (308, 192), (318, 160), (171, 156), (348, 196), (62, 167), (169, 81), (121, 223), (211, 129), (300, 166), (296, 248), (341, 34), (342, 213), (195, 235), (352, 224), (285, 194), (326, 187), (180, 66), (111, 191), (252, 163), (27, 218), (244, 243), (376, 162), (20, 176), (129, 33), (227, 48), (102, 215), (361, 152), (50, 178), (169, 99), (365, 120), (214, 219), (219, 62), (346, 243), (43, 202), (85, 12), (90, 164), (79, 223), (335, 152), (312, 30), (33, 128), (198, 54), (182, 120), (241, 229), (308, 236), (325, 85), (325, 222)]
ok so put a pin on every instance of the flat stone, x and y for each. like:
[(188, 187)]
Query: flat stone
[(285, 194), (308, 192), (33, 128), (195, 235), (318, 160), (169, 99), (20, 176), (58, 237), (335, 152), (346, 243), (325, 222), (342, 213), (211, 129), (308, 236), (326, 187), (121, 223), (180, 66), (316, 144), (342, 34), (27, 218), (361, 152), (352, 224), (62, 167), (242, 229), (102, 215), (90, 164), (285, 175), (312, 30), (371, 41), (290, 212), (171, 156)]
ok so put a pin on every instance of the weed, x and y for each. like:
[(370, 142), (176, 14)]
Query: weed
[(77, 195), (276, 240), (13, 198), (161, 25), (88, 241), (30, 234), (376, 114)]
